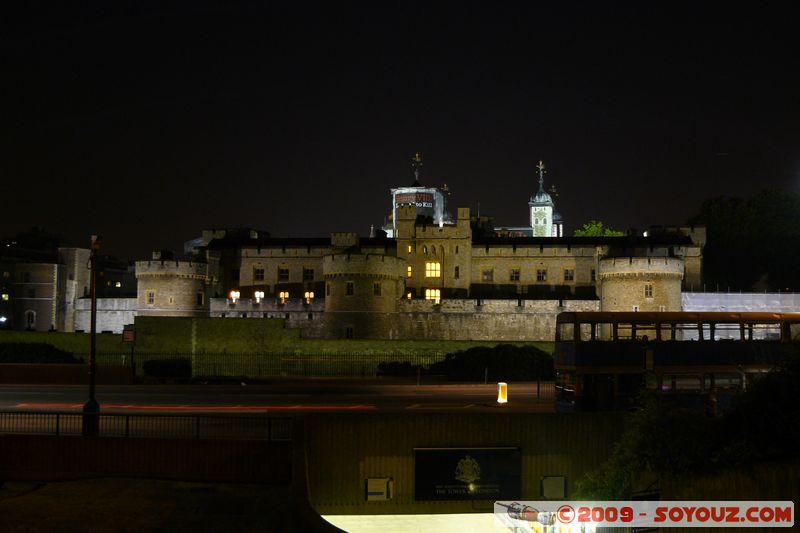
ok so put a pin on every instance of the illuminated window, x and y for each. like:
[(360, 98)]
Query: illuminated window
[(456, 273), (308, 274), (235, 295), (258, 274), (409, 248), (487, 275), (259, 295), (569, 274), (118, 284), (433, 269), (541, 274), (433, 294), (350, 288), (283, 296), (408, 295), (648, 290), (513, 275), (5, 297), (425, 250), (308, 295), (151, 297), (408, 271), (376, 289), (283, 275)]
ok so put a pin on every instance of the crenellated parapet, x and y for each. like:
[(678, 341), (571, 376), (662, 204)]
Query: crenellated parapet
[(170, 268), (641, 267)]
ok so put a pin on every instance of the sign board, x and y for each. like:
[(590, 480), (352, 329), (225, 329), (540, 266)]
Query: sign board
[(128, 335), (467, 474), (554, 487), (378, 489), (420, 199)]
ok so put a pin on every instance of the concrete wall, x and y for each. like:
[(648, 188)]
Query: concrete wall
[(112, 313)]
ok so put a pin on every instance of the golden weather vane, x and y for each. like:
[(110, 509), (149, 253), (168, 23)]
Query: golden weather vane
[(542, 172)]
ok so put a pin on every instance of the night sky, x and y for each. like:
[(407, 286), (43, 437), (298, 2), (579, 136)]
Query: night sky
[(147, 124)]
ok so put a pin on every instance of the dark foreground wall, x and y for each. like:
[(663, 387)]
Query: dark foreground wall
[(53, 374), (49, 458), (344, 450)]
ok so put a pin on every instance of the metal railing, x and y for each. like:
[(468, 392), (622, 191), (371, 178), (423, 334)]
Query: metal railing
[(264, 428)]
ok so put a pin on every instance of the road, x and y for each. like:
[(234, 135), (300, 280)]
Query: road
[(281, 397)]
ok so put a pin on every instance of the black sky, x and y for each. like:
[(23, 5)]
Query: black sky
[(149, 123)]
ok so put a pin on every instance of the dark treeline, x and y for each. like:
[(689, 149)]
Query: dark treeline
[(752, 242)]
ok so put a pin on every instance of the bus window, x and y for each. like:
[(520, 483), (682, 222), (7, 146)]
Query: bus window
[(681, 383)]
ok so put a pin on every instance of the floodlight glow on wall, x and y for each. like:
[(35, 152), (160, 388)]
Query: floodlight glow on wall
[(234, 296), (259, 296)]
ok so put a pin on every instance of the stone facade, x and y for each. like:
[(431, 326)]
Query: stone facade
[(361, 294), (297, 313), (113, 314), (172, 288), (490, 320), (640, 284), (76, 284), (37, 295), (447, 280)]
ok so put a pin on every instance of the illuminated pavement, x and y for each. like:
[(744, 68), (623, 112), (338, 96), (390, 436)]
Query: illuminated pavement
[(282, 397), (440, 523)]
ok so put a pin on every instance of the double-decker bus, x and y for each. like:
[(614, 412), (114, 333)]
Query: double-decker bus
[(603, 359)]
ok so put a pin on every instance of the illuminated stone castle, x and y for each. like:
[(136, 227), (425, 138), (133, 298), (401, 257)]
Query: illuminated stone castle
[(430, 275)]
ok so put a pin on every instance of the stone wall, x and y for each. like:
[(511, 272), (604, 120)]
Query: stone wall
[(491, 320), (172, 288), (297, 314), (112, 313), (640, 283)]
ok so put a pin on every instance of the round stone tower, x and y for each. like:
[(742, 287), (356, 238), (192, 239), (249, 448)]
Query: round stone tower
[(361, 292), (171, 288), (640, 283)]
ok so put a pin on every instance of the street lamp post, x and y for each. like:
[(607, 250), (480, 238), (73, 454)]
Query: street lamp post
[(91, 409)]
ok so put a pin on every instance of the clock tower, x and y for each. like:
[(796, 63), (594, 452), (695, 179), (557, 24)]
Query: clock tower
[(541, 208)]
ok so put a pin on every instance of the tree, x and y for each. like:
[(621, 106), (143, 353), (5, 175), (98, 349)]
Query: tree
[(752, 242), (595, 228)]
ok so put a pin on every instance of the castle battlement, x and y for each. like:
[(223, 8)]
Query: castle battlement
[(634, 267), (373, 265), (180, 269)]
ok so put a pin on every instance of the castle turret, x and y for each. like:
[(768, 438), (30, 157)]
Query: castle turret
[(361, 293), (171, 288), (541, 208)]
